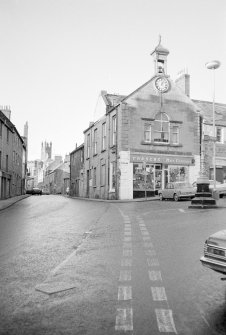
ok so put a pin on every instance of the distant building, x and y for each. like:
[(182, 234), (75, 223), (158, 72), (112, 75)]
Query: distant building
[(13, 157), (76, 171), (57, 176)]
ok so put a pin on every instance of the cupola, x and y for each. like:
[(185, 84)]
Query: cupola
[(160, 58)]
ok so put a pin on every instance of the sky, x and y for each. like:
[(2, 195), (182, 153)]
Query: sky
[(57, 55)]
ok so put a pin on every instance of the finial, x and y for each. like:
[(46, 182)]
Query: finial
[(160, 38)]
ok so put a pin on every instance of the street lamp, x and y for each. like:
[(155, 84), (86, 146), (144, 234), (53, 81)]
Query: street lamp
[(213, 65)]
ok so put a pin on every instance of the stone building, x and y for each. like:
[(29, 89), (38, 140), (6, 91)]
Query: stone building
[(146, 139), (13, 155), (76, 171)]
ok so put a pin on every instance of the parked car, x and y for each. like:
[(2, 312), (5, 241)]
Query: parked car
[(36, 190), (215, 252), (177, 191), (220, 188)]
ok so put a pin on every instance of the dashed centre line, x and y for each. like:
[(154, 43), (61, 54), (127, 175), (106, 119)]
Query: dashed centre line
[(125, 275), (158, 293), (165, 320), (155, 275), (124, 319), (124, 293)]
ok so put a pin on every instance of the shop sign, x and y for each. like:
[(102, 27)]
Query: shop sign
[(170, 160)]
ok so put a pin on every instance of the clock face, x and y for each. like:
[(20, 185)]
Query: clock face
[(162, 84)]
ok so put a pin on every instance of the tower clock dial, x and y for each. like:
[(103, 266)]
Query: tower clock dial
[(162, 84)]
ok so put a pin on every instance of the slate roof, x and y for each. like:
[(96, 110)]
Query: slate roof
[(206, 108)]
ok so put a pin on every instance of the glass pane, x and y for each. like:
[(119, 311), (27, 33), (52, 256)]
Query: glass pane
[(157, 125)]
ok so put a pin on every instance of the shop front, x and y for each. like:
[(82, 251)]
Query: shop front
[(152, 172)]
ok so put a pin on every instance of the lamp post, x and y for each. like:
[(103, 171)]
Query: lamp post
[(213, 65)]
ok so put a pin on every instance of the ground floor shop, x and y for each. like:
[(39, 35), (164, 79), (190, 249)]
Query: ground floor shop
[(152, 172)]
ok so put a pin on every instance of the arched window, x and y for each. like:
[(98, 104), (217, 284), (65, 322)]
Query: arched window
[(161, 128)]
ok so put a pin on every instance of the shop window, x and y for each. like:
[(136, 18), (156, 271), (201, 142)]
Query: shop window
[(161, 128), (178, 173), (145, 177), (175, 135), (147, 133)]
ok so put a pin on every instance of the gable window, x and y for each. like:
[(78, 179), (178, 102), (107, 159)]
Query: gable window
[(147, 133), (114, 130), (161, 128), (104, 136), (219, 135), (175, 134)]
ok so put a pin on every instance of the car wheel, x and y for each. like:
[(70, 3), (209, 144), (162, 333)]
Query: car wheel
[(160, 197), (175, 197)]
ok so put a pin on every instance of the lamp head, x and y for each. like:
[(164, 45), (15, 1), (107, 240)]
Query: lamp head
[(213, 65)]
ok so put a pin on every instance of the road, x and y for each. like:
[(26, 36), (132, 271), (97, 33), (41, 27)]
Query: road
[(71, 266)]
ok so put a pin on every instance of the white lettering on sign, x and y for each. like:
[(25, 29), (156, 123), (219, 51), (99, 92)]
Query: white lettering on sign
[(137, 158)]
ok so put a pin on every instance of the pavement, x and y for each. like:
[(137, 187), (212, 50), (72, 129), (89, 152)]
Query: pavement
[(10, 201)]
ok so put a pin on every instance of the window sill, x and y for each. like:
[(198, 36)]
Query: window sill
[(160, 144)]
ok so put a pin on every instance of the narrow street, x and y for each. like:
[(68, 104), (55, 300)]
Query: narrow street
[(71, 266)]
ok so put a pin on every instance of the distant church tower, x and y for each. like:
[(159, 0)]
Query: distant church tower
[(46, 151)]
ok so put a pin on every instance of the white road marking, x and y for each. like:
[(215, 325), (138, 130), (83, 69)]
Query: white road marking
[(127, 233), (124, 293), (128, 225), (145, 233), (181, 210), (127, 252), (127, 245), (146, 238), (127, 238), (165, 320), (155, 275), (152, 262), (148, 245), (125, 275), (150, 252), (126, 262), (158, 293), (124, 319)]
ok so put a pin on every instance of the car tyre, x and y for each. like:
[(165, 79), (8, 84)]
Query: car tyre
[(161, 197), (175, 197)]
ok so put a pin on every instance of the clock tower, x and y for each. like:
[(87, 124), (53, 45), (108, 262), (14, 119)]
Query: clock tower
[(160, 58)]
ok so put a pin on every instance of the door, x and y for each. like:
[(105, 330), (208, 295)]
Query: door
[(87, 184)]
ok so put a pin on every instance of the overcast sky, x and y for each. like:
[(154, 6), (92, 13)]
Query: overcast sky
[(57, 55)]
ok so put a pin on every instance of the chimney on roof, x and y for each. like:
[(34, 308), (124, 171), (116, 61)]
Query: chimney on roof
[(6, 110), (183, 81)]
